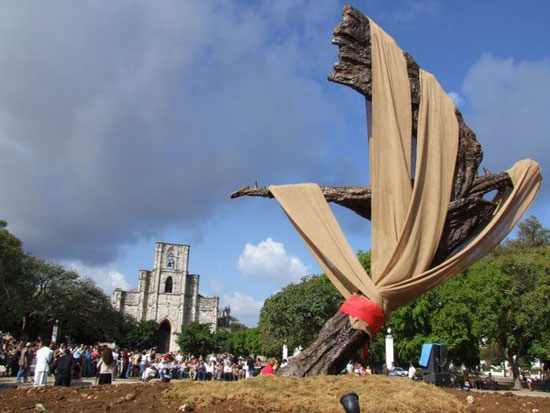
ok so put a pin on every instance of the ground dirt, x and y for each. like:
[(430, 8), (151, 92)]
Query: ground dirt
[(266, 394)]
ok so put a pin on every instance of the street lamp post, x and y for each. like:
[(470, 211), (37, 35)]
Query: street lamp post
[(389, 350), (54, 331)]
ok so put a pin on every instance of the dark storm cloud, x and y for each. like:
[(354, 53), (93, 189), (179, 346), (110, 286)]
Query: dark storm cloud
[(119, 119)]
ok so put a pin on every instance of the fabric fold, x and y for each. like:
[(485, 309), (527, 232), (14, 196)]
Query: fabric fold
[(390, 146), (310, 214), (527, 179)]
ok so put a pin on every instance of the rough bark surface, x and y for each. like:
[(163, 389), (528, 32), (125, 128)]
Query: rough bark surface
[(468, 213), (330, 353), (355, 198)]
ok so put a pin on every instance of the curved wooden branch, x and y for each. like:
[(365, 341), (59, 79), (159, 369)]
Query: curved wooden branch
[(355, 198), (465, 216)]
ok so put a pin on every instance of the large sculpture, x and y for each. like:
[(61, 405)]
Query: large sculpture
[(430, 220)]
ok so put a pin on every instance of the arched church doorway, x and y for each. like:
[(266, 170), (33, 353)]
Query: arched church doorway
[(164, 337)]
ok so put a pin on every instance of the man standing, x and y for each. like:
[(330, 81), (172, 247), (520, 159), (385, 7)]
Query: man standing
[(63, 369), (43, 359), (250, 364), (25, 361), (77, 362)]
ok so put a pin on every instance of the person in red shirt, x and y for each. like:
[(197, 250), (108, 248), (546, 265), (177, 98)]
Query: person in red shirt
[(268, 370)]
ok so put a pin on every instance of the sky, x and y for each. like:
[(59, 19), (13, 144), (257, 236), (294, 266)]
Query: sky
[(130, 122)]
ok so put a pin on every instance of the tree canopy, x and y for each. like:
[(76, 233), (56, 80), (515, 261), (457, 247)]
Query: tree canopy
[(295, 315), (41, 293), (239, 340), (196, 339), (14, 284), (500, 307)]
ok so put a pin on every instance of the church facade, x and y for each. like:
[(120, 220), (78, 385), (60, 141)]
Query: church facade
[(170, 295)]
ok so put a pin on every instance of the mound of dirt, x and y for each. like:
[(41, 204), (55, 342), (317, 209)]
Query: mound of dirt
[(502, 402), (318, 394), (135, 397), (266, 394)]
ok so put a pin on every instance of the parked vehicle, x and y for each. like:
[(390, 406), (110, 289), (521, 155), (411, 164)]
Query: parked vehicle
[(398, 372)]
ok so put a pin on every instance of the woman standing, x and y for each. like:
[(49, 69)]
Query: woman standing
[(106, 367), (125, 364)]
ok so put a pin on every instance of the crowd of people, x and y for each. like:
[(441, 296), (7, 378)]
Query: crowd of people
[(33, 362), (357, 369), (215, 367)]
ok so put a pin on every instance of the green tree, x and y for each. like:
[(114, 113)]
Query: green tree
[(523, 317), (237, 339), (140, 335), (222, 340), (532, 234), (39, 294), (492, 354), (15, 289), (236, 326), (501, 301), (365, 259), (245, 342), (295, 315), (83, 311), (196, 339)]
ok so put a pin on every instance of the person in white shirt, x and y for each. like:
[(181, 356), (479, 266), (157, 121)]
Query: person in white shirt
[(149, 373), (43, 358), (209, 370), (412, 371), (349, 367), (227, 372), (106, 367)]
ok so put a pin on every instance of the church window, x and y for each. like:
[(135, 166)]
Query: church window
[(170, 261), (168, 285)]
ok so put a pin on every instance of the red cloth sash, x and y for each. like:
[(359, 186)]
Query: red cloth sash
[(363, 308)]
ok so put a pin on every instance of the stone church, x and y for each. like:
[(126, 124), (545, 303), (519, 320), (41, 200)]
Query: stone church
[(170, 295)]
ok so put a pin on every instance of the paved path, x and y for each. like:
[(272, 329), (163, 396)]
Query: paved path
[(522, 392), (10, 382)]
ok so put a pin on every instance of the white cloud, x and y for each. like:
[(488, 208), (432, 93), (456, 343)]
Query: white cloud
[(269, 260), (216, 286), (508, 105), (245, 308), (457, 99), (105, 278)]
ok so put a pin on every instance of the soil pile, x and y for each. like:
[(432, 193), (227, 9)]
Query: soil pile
[(135, 397), (266, 394)]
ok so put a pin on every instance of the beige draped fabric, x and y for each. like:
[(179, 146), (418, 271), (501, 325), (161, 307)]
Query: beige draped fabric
[(390, 146), (311, 216), (526, 177), (407, 221)]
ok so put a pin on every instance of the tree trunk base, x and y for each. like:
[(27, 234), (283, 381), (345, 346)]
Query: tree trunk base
[(329, 354)]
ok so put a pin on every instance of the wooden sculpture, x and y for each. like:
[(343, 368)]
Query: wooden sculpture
[(470, 218)]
